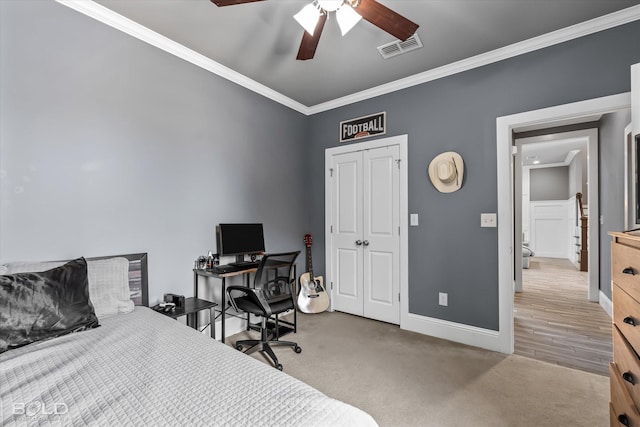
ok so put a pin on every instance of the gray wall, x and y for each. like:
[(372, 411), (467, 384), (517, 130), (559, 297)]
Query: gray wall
[(109, 146), (611, 156), (449, 252), (549, 183), (578, 176)]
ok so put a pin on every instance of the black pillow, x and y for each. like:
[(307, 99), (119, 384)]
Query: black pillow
[(37, 306)]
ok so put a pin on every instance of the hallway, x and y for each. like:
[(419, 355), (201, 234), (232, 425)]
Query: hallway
[(555, 322)]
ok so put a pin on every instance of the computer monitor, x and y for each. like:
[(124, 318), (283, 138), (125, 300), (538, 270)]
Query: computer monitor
[(239, 239)]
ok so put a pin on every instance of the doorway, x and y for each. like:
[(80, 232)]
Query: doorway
[(555, 319), (547, 221), (366, 228), (558, 115)]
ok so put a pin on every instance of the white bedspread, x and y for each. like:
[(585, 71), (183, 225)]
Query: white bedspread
[(144, 368)]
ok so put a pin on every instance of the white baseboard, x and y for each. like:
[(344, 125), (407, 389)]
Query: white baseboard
[(606, 304), (470, 335), (457, 332)]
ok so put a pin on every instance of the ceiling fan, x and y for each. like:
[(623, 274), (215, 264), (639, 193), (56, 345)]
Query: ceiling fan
[(348, 12)]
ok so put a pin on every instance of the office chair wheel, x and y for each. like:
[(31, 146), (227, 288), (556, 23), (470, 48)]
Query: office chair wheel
[(239, 347), (298, 349), (279, 366)]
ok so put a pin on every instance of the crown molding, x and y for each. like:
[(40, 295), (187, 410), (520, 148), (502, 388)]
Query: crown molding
[(595, 25), (126, 25), (119, 22)]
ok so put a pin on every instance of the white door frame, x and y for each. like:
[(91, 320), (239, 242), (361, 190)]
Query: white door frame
[(504, 141), (402, 142)]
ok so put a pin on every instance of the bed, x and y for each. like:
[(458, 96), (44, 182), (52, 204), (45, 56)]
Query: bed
[(140, 367)]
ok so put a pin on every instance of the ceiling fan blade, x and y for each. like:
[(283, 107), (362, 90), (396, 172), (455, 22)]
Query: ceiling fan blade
[(310, 43), (231, 2), (386, 19)]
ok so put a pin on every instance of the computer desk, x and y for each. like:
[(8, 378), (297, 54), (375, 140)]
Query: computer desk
[(223, 280)]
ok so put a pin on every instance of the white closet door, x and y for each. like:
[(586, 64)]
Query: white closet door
[(381, 234), (366, 238), (347, 231)]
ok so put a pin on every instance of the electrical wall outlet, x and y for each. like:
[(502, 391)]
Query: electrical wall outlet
[(443, 298), (413, 220)]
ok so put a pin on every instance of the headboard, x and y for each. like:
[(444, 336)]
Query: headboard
[(138, 276)]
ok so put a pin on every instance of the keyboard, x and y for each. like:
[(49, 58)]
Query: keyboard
[(245, 265), (230, 268), (221, 269)]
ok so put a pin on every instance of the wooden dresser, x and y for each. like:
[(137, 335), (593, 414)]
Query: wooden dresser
[(625, 369)]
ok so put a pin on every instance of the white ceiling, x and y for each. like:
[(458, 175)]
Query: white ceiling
[(260, 40), (553, 152)]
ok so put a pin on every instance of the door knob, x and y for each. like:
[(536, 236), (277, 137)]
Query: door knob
[(358, 242), (366, 243)]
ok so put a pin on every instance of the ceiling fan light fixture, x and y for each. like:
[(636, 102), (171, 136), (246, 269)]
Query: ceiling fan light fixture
[(347, 18), (308, 17), (330, 5)]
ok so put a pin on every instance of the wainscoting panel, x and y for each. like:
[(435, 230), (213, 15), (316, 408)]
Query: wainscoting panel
[(549, 228)]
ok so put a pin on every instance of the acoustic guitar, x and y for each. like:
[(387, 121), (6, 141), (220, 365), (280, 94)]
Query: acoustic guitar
[(313, 297)]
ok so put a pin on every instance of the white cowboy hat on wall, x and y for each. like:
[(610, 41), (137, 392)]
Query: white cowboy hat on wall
[(446, 171)]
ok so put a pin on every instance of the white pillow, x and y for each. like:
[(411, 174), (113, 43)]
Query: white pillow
[(109, 286), (108, 282)]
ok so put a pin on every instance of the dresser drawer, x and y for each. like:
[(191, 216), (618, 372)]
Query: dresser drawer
[(626, 316), (628, 364), (626, 258), (624, 411)]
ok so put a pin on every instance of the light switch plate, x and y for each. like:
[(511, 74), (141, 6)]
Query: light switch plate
[(413, 219), (443, 298), (488, 220)]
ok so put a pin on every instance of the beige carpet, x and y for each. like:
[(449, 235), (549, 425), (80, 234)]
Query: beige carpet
[(407, 379)]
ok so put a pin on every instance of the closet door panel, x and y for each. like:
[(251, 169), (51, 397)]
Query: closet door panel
[(347, 223), (381, 204)]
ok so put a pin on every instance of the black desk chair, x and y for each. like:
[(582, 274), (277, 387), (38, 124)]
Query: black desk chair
[(267, 298)]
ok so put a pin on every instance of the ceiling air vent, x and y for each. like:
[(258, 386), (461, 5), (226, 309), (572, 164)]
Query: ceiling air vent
[(398, 47)]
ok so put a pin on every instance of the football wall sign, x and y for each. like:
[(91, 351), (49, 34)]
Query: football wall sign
[(363, 127)]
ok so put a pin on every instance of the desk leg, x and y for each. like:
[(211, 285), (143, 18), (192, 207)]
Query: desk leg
[(195, 284), (248, 284), (192, 319), (212, 322), (295, 309), (224, 307)]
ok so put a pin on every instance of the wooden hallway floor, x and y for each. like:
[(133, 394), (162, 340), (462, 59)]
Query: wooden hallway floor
[(555, 322)]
